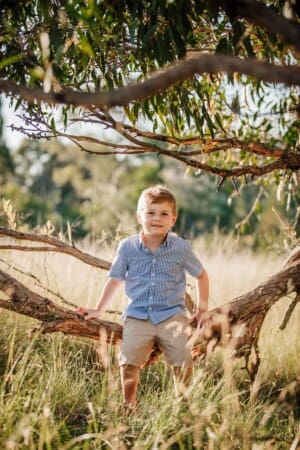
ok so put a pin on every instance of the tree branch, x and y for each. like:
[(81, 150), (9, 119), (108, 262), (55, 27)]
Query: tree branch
[(264, 71), (289, 312), (264, 16), (53, 317), (236, 324), (246, 219), (206, 145), (280, 159), (54, 245)]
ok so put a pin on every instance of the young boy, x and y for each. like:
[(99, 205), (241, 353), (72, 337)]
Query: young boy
[(153, 265)]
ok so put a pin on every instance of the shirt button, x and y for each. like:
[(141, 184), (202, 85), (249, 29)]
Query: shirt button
[(150, 308)]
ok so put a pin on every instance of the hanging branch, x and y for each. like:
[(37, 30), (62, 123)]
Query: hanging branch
[(270, 159), (246, 219), (289, 312)]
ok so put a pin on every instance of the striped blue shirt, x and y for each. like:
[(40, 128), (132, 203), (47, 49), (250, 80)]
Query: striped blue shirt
[(155, 283)]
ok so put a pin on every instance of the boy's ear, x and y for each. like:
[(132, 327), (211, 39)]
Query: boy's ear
[(138, 218), (174, 218)]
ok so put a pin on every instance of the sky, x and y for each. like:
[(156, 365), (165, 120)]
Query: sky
[(12, 138)]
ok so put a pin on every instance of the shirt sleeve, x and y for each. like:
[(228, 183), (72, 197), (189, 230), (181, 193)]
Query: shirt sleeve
[(191, 263), (118, 268)]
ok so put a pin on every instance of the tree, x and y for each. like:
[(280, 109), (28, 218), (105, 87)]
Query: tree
[(212, 84), (52, 181)]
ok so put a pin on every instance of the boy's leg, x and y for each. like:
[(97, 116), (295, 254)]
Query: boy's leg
[(137, 343), (174, 334), (130, 377)]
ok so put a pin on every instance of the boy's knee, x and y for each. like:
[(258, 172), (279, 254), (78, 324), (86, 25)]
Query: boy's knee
[(129, 372), (129, 367)]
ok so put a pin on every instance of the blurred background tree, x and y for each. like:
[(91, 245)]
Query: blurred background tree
[(51, 181), (222, 99)]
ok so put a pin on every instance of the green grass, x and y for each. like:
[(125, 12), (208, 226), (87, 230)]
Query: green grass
[(60, 392)]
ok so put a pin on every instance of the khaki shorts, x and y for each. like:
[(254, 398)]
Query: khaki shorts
[(171, 336)]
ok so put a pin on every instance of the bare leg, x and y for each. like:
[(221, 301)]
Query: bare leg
[(130, 377), (182, 378)]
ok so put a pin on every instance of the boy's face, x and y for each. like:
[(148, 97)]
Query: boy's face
[(157, 218)]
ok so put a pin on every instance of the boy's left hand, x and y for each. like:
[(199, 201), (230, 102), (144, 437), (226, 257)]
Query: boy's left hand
[(88, 313), (198, 318)]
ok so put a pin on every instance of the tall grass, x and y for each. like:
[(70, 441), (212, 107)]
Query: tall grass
[(60, 392)]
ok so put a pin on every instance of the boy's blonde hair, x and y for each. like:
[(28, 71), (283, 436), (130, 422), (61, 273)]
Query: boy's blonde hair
[(156, 194)]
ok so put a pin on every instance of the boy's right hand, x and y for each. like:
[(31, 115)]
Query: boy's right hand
[(88, 313)]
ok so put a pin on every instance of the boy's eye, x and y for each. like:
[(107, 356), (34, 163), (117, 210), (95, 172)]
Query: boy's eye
[(164, 214)]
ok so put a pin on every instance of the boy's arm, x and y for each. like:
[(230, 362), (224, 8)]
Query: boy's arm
[(109, 290), (202, 292)]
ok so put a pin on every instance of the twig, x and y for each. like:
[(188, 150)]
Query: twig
[(247, 217), (39, 283), (289, 312)]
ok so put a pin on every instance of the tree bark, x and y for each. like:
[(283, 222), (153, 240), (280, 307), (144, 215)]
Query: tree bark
[(237, 324)]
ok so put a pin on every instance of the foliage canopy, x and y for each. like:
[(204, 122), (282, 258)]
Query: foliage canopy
[(214, 84)]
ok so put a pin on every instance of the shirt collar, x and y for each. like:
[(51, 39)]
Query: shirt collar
[(165, 243)]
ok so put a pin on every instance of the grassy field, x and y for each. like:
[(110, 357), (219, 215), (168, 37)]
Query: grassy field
[(59, 392)]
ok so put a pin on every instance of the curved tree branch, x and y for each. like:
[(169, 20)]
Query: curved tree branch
[(264, 71), (53, 317), (271, 159), (235, 325), (53, 245), (129, 132)]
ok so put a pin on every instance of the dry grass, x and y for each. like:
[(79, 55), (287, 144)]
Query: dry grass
[(57, 393)]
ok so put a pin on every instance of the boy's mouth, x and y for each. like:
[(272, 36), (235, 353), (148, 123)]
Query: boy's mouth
[(157, 227)]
